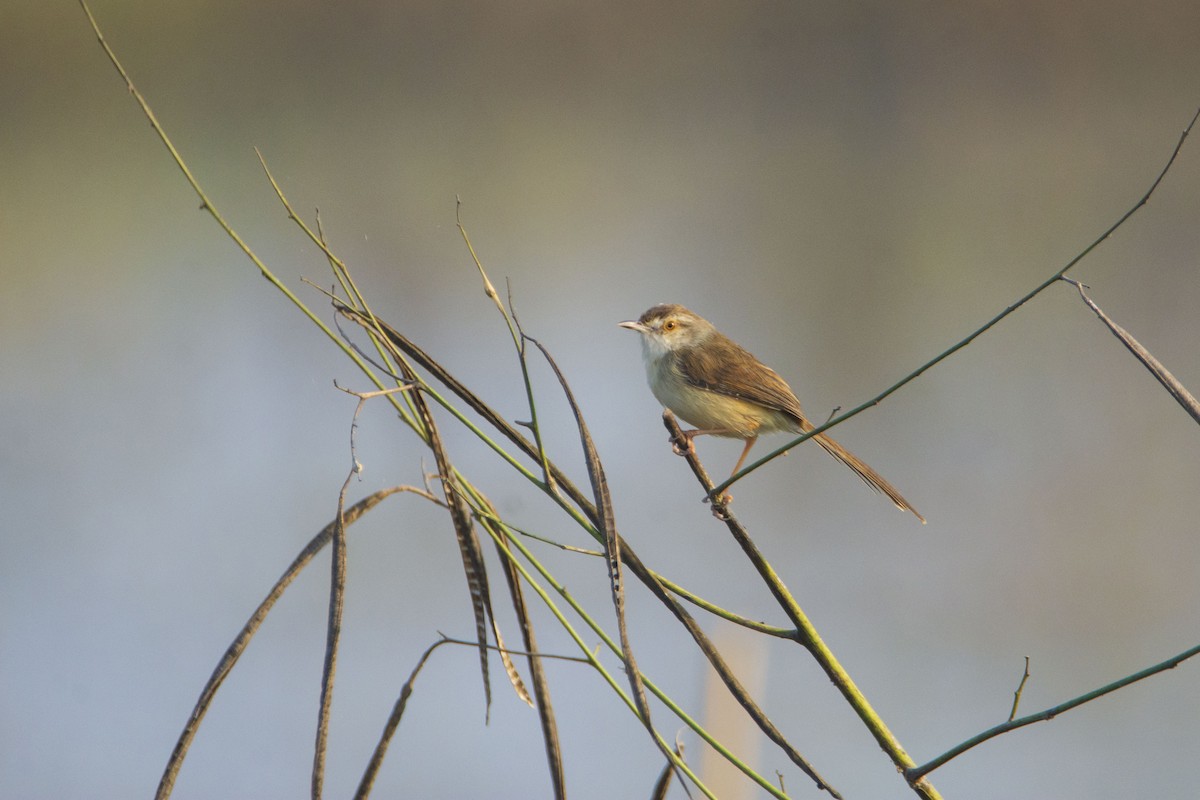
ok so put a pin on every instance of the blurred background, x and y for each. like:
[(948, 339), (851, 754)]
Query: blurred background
[(846, 189)]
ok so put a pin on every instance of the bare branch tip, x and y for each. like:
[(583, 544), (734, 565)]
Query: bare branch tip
[(1191, 124)]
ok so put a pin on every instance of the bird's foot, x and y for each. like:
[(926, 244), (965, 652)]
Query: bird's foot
[(720, 506), (683, 445)]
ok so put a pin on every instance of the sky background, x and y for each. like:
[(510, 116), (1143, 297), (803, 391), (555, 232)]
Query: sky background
[(846, 189)]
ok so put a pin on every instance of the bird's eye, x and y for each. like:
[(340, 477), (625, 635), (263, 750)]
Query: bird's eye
[(670, 325)]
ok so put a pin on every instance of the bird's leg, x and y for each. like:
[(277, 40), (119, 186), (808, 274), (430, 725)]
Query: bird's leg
[(727, 498), (687, 447), (749, 443)]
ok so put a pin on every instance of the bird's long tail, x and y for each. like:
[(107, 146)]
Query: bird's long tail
[(869, 476)]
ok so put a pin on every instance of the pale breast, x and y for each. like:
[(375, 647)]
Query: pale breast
[(711, 411)]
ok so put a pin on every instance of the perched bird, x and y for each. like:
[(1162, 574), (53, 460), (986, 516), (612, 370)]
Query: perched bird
[(710, 381)]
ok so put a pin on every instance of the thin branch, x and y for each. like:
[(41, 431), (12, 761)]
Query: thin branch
[(488, 288), (363, 397), (917, 773), (720, 489), (533, 426), (393, 722), (570, 548), (715, 610), (1017, 694), (526, 653)]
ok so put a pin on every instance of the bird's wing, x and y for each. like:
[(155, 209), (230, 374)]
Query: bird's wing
[(731, 370)]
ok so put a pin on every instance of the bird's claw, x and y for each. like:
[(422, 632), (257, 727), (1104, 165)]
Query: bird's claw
[(720, 506), (682, 445)]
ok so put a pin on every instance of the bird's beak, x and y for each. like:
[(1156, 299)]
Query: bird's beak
[(634, 325)]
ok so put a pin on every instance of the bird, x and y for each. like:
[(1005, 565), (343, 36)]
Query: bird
[(710, 381)]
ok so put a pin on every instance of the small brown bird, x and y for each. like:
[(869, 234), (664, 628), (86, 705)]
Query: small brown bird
[(710, 381)]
